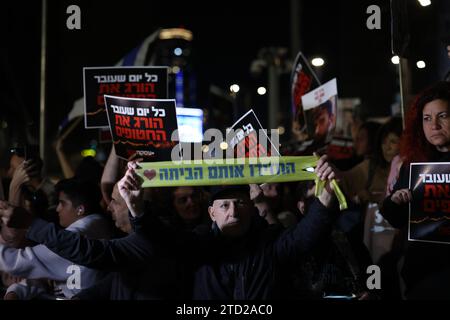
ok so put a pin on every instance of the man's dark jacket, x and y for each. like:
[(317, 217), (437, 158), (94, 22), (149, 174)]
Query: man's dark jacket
[(217, 267)]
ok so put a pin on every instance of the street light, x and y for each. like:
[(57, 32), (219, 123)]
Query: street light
[(175, 69), (421, 64), (177, 51), (223, 145), (395, 59), (424, 3), (261, 91), (317, 62), (234, 88)]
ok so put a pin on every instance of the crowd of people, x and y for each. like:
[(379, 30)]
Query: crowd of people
[(97, 234)]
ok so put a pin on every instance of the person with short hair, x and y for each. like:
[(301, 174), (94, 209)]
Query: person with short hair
[(324, 122), (77, 210), (240, 257)]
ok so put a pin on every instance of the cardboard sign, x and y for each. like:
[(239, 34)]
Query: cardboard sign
[(133, 82), (142, 127), (236, 171), (319, 107), (303, 79), (429, 210), (248, 138)]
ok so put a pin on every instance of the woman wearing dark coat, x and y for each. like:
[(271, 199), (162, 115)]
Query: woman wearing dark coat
[(426, 269)]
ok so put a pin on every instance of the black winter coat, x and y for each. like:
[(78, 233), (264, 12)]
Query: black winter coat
[(213, 267)]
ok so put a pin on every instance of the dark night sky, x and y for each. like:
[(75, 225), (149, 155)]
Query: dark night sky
[(227, 37)]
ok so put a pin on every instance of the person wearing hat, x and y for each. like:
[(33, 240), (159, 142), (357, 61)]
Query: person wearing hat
[(241, 257)]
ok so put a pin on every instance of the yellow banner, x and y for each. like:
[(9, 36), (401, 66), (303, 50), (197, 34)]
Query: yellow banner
[(231, 172)]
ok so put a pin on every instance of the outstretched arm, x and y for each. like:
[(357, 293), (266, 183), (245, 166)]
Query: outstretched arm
[(299, 240), (128, 252), (62, 157), (23, 291), (33, 263), (111, 174), (117, 254), (316, 224)]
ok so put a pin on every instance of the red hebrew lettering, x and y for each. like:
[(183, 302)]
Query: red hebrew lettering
[(114, 88), (443, 190), (137, 122), (161, 135), (149, 87), (121, 120), (430, 191), (157, 123), (104, 88)]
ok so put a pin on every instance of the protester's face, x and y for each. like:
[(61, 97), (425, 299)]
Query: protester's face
[(390, 146), (361, 144), (186, 202), (119, 211), (67, 213), (436, 124), (232, 216), (322, 123)]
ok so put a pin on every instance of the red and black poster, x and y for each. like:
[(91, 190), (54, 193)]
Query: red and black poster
[(132, 82), (429, 211), (303, 79), (248, 138), (142, 128)]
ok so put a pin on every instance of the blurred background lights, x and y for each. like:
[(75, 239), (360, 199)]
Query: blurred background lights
[(395, 59), (261, 91), (424, 3), (223, 145), (317, 62), (88, 153), (420, 64), (234, 88), (177, 51), (175, 69)]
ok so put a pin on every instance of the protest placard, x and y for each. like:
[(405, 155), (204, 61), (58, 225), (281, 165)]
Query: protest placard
[(132, 82), (247, 138), (303, 79), (319, 107), (142, 127), (429, 211)]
